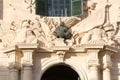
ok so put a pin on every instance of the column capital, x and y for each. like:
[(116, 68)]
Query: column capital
[(107, 63), (28, 50), (93, 60), (25, 64), (27, 59), (14, 54), (14, 65), (93, 63)]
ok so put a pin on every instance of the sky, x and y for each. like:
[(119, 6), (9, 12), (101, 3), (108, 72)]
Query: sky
[(1, 8)]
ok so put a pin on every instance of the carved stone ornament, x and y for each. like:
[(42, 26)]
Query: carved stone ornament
[(30, 4), (60, 42), (61, 55), (107, 63)]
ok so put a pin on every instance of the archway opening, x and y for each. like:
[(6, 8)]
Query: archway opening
[(60, 72)]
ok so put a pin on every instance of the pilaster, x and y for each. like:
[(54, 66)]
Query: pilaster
[(27, 64), (14, 55), (93, 64), (107, 63)]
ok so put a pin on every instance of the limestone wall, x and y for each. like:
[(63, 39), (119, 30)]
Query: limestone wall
[(1, 9), (16, 10), (4, 72)]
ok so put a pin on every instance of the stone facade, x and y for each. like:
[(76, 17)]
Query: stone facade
[(28, 46)]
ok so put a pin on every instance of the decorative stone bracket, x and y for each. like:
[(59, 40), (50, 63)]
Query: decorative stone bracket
[(61, 51), (61, 55)]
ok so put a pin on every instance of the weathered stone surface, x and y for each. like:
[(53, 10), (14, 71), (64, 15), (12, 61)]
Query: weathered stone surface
[(27, 41)]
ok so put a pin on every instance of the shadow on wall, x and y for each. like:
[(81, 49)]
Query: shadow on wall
[(115, 70), (4, 73), (85, 8), (1, 9)]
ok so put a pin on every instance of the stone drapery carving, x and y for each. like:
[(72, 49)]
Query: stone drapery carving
[(90, 33), (85, 25), (80, 29)]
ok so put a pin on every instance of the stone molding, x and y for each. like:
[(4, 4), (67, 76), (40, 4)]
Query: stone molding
[(18, 51)]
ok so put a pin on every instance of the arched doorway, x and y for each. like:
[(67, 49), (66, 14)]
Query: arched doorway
[(60, 72)]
